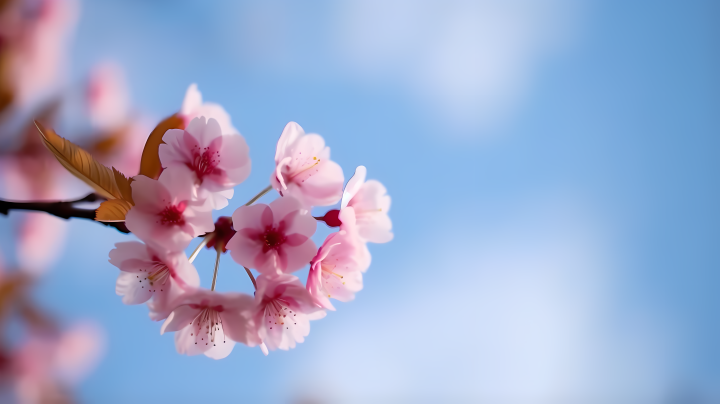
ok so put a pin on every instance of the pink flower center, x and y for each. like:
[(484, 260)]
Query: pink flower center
[(204, 163), (206, 325), (331, 279), (173, 214), (328, 270), (278, 314), (273, 239), (160, 274), (306, 165)]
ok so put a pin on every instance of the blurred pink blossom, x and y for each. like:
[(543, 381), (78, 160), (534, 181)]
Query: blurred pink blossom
[(125, 147), (303, 168), (273, 238), (32, 173), (120, 134), (216, 162), (108, 99), (34, 33), (46, 365), (39, 241), (194, 107)]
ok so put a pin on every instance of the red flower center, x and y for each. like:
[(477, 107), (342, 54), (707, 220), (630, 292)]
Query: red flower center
[(273, 239), (204, 162), (173, 215)]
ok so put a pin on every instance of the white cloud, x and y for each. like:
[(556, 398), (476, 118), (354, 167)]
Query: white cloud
[(472, 61)]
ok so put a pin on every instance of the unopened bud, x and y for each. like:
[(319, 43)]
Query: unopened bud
[(224, 231), (332, 218)]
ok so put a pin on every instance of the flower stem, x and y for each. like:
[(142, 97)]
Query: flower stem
[(258, 196), (202, 244), (252, 278), (217, 265)]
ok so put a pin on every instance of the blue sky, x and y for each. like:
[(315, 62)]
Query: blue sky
[(552, 171)]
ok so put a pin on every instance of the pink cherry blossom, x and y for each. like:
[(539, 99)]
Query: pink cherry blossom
[(283, 310), (303, 168), (194, 107), (273, 238), (335, 271), (150, 273), (216, 162), (210, 323), (371, 204), (164, 214)]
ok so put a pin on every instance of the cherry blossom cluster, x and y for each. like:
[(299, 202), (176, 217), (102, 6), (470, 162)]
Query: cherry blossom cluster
[(201, 166)]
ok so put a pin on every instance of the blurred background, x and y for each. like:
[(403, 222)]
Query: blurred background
[(552, 166)]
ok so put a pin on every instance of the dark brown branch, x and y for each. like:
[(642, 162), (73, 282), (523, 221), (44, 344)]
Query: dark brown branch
[(62, 209)]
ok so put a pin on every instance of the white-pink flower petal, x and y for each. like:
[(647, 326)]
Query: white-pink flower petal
[(210, 323), (283, 310), (303, 168)]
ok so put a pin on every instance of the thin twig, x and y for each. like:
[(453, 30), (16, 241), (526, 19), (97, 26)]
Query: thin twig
[(258, 196), (252, 278), (202, 244), (62, 209), (217, 265)]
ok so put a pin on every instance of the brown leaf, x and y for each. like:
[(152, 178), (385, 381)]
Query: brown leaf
[(4, 4), (81, 164), (123, 185), (113, 210), (150, 163)]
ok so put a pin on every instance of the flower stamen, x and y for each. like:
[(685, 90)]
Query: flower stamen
[(204, 162), (173, 215)]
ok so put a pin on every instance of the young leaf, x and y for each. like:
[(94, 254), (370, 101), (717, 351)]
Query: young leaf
[(123, 185), (81, 164), (113, 210), (150, 162)]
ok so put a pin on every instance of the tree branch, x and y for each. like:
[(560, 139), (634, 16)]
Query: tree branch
[(62, 209)]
